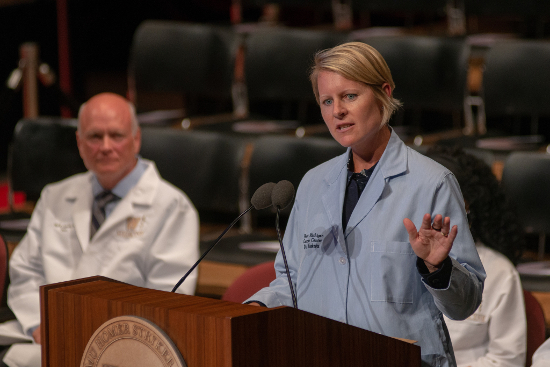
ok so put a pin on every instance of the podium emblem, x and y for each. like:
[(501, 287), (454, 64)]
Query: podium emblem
[(130, 341)]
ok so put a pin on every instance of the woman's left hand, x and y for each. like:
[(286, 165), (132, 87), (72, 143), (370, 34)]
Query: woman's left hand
[(433, 241)]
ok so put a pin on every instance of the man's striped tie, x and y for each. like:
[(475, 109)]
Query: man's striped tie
[(98, 210)]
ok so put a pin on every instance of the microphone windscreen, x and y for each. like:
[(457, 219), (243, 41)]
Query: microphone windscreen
[(262, 197), (282, 194)]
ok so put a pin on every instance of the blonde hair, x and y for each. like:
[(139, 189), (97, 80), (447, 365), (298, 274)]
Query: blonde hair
[(359, 62)]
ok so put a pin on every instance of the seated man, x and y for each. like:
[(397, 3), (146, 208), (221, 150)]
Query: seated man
[(120, 220)]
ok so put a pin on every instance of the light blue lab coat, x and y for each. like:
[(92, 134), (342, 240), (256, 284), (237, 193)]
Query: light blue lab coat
[(367, 276)]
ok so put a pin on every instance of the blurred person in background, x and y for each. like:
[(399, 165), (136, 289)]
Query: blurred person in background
[(496, 334)]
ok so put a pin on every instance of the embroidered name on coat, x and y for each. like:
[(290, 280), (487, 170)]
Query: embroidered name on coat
[(312, 240), (64, 227)]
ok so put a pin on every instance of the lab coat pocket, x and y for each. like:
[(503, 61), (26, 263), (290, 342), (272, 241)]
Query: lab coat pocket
[(392, 267)]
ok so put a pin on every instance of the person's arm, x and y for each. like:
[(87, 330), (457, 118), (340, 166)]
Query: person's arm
[(174, 249), (27, 273), (461, 297), (507, 327)]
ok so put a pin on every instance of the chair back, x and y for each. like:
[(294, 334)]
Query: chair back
[(205, 165), (277, 65), (194, 61), (536, 325), (278, 61), (42, 151), (251, 281), (429, 72), (281, 157), (515, 81), (526, 179)]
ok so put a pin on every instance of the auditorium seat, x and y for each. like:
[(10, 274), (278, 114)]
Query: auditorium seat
[(278, 93), (205, 165), (208, 167), (515, 85), (279, 157), (277, 64), (212, 169), (429, 73), (183, 69), (42, 151), (536, 325), (526, 179)]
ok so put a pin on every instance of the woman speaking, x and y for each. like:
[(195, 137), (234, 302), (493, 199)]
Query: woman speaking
[(377, 237)]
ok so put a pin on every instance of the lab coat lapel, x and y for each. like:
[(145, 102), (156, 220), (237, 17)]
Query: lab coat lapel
[(392, 163), (333, 198), (368, 198), (82, 210)]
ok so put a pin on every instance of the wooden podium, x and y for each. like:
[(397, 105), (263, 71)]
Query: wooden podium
[(210, 332)]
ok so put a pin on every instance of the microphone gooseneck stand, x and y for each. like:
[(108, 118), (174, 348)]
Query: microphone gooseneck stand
[(260, 200), (294, 302), (210, 248), (281, 196)]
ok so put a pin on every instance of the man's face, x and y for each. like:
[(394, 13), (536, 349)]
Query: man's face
[(105, 140)]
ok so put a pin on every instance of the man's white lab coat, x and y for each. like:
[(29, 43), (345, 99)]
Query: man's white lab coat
[(149, 240)]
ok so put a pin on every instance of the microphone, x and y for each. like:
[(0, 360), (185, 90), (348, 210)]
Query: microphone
[(281, 196), (260, 200)]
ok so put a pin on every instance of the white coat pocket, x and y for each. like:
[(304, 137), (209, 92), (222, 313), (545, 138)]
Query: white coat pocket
[(393, 272)]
